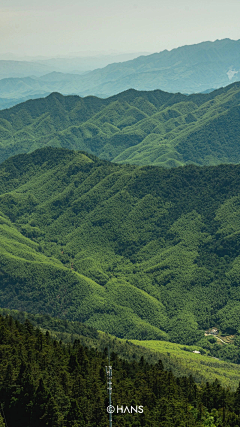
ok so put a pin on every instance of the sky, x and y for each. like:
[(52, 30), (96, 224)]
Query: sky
[(58, 27)]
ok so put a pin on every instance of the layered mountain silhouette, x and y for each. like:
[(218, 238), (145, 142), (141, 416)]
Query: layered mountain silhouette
[(187, 69)]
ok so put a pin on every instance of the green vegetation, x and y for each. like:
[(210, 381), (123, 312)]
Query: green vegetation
[(201, 366), (176, 358), (142, 128), (142, 253), (46, 383)]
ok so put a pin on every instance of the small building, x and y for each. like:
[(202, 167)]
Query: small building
[(214, 331), (196, 352)]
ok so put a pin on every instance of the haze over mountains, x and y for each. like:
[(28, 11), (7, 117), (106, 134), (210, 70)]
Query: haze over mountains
[(20, 78), (187, 69), (12, 66)]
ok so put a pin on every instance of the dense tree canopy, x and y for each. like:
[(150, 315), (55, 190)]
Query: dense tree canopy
[(143, 128), (46, 383), (139, 252)]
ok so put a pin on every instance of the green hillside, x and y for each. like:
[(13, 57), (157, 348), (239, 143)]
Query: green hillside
[(138, 252), (198, 365), (142, 128), (46, 383), (175, 357)]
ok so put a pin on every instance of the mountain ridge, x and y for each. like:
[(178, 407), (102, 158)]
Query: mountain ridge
[(134, 127)]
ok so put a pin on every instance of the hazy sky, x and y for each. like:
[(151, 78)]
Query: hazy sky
[(59, 27)]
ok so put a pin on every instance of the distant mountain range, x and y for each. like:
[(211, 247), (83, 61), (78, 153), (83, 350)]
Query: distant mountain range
[(21, 80), (37, 66), (187, 69), (18, 69), (143, 128)]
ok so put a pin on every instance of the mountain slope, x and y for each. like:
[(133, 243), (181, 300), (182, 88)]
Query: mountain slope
[(183, 362), (46, 383), (141, 128), (139, 252)]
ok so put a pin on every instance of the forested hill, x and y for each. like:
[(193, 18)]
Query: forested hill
[(45, 383), (142, 128), (139, 252)]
